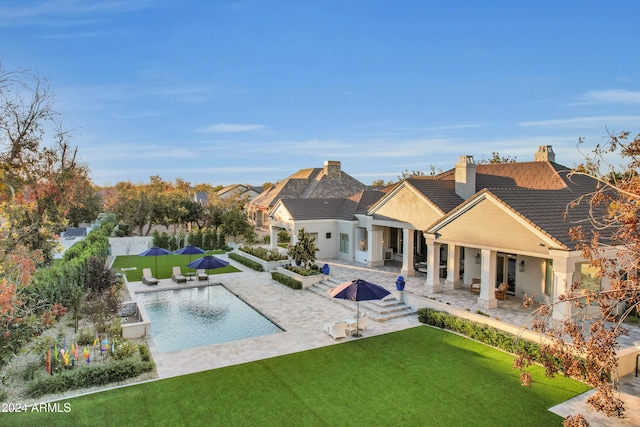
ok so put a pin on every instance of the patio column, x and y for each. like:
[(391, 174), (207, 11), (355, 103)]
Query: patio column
[(563, 268), (407, 252), (273, 236), (376, 255), (453, 267), (487, 298), (433, 265)]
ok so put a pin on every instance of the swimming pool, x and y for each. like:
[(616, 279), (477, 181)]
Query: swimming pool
[(199, 316)]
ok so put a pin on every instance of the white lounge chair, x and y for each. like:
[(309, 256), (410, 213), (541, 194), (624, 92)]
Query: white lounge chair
[(361, 322), (202, 275), (177, 275), (147, 277), (336, 330)]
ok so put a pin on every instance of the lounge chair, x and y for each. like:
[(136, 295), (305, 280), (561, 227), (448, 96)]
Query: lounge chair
[(361, 322), (147, 277), (202, 275), (475, 286), (177, 275), (501, 291), (336, 330)]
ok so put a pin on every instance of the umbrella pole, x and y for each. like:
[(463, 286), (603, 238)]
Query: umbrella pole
[(357, 334)]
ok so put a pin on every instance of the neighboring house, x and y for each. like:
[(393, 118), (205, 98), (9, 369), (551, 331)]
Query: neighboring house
[(329, 182), (201, 197), (239, 190)]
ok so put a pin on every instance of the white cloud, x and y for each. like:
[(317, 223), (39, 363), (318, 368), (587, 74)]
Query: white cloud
[(581, 122), (230, 128), (613, 96)]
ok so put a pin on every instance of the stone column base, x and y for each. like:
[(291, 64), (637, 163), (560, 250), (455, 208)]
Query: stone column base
[(488, 303)]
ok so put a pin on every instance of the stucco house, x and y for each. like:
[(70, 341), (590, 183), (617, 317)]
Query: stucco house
[(491, 222), (499, 223)]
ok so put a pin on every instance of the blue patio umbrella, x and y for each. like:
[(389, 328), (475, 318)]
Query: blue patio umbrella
[(358, 290), (155, 252), (190, 250), (208, 262)]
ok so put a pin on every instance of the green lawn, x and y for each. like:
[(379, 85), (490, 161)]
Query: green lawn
[(417, 377), (165, 265)]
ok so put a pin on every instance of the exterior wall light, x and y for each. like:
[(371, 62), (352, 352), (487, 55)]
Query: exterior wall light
[(522, 266), (477, 258)]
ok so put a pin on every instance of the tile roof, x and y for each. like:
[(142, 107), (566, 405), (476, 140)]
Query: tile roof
[(332, 208), (309, 184)]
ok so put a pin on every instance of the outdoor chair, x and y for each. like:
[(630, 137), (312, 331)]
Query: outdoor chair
[(147, 277), (202, 275), (475, 286), (362, 321), (177, 275), (336, 330), (501, 291)]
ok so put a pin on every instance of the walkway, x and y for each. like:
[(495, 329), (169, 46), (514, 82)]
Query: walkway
[(302, 315)]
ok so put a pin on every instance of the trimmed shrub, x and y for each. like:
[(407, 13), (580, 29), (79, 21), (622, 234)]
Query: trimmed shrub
[(286, 280), (88, 376), (145, 353), (246, 261), (478, 331), (313, 270)]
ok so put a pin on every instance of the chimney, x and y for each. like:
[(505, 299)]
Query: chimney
[(332, 169), (545, 154), (465, 177)]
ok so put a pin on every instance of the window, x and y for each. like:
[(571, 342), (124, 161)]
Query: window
[(344, 243), (589, 277), (327, 236)]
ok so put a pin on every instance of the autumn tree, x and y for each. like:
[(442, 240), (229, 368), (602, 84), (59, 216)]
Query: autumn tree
[(584, 346), (495, 159)]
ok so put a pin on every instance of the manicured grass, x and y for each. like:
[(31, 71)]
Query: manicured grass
[(165, 265), (417, 377)]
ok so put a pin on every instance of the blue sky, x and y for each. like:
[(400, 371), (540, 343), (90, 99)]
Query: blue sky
[(250, 91)]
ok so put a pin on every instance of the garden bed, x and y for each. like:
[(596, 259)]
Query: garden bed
[(305, 280), (266, 265)]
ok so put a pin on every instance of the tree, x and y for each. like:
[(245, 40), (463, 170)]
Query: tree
[(583, 347), (496, 159), (304, 251), (406, 174), (234, 222)]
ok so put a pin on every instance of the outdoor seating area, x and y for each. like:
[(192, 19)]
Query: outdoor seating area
[(147, 277), (201, 274), (347, 327)]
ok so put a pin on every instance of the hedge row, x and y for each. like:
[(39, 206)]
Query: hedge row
[(286, 280), (246, 261), (478, 331), (89, 376)]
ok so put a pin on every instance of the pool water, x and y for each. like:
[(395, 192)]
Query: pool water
[(195, 317)]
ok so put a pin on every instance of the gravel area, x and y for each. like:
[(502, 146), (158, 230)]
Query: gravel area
[(12, 375)]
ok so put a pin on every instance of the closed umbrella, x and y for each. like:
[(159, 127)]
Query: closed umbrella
[(358, 290), (155, 252), (190, 250)]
